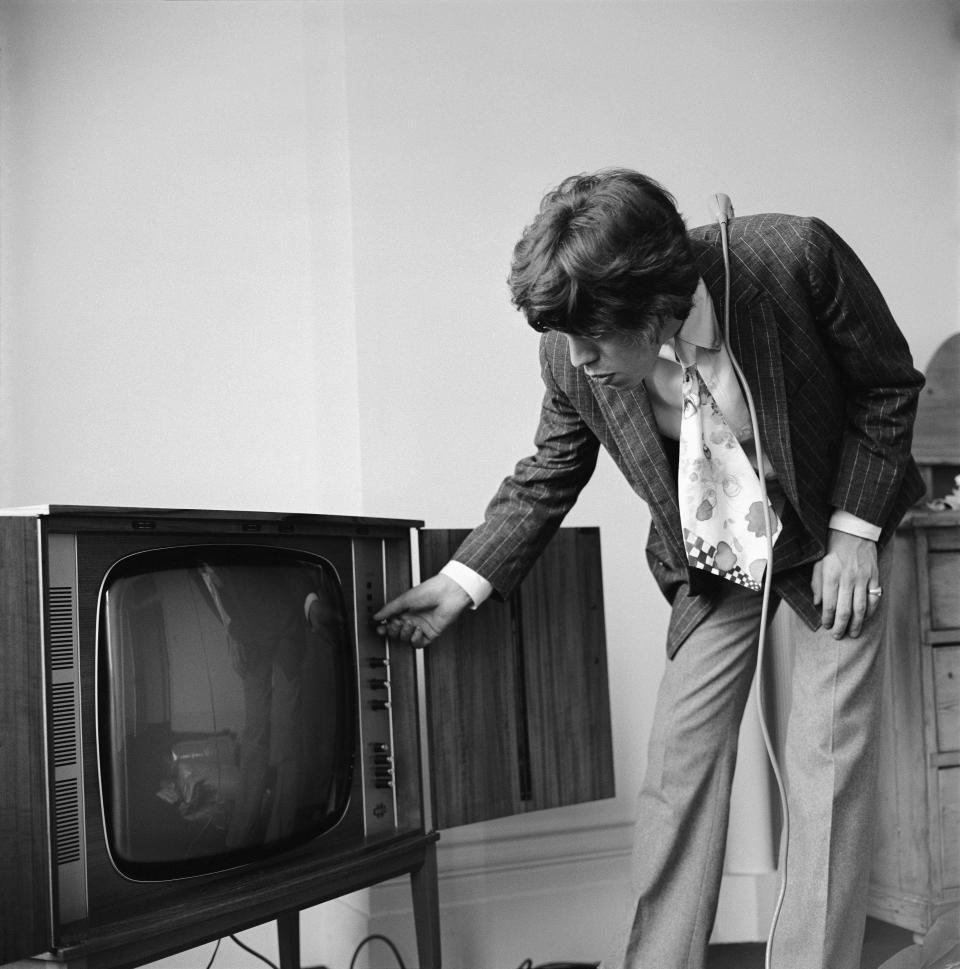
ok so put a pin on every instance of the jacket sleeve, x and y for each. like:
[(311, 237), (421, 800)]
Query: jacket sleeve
[(880, 384), (530, 504)]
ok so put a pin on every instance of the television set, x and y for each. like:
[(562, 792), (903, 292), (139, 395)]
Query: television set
[(200, 729)]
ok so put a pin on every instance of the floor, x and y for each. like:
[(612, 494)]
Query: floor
[(881, 942)]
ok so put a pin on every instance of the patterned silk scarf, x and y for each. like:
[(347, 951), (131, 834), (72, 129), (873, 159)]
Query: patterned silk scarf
[(721, 504)]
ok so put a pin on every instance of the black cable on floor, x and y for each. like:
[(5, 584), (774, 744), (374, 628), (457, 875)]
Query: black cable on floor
[(254, 952), (379, 938), (216, 949)]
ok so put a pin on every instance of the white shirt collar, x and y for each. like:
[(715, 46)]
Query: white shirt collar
[(698, 330)]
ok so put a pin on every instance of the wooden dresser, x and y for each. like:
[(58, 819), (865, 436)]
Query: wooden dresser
[(916, 865)]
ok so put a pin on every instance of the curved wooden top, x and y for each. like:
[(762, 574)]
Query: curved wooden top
[(936, 434)]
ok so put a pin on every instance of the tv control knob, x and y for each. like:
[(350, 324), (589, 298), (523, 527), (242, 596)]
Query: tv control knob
[(378, 662), (382, 759), (379, 704), (383, 784), (378, 747), (377, 684)]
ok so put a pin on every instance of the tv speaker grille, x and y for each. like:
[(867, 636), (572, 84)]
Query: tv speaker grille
[(64, 713), (61, 628), (67, 813)]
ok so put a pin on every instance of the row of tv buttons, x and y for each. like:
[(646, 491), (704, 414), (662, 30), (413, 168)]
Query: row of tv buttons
[(382, 765)]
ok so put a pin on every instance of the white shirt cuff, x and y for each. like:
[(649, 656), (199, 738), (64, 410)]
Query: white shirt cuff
[(474, 584), (843, 521)]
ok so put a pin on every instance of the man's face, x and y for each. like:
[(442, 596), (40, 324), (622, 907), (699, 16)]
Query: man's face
[(620, 359)]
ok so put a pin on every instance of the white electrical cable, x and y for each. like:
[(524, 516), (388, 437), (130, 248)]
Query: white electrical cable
[(767, 581)]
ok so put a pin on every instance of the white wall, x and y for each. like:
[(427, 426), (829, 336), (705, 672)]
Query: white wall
[(177, 300), (254, 254)]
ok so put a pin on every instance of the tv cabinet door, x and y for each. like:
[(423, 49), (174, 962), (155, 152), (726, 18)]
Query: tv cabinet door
[(517, 692)]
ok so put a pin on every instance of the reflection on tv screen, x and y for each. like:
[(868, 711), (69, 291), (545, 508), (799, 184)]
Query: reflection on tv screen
[(228, 676)]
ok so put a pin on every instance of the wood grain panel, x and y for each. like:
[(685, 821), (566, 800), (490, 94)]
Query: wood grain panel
[(472, 705), (25, 890), (565, 663), (517, 692), (949, 783), (946, 686), (944, 569)]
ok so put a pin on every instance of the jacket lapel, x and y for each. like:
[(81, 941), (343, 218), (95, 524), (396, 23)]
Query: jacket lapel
[(755, 343), (629, 418)]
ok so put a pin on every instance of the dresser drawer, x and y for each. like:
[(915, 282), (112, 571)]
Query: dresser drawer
[(943, 566), (949, 785), (946, 696), (944, 539)]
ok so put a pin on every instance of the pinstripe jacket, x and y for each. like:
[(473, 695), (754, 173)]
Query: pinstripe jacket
[(836, 394)]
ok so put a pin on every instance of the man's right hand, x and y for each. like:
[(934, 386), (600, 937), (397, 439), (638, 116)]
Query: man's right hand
[(421, 614)]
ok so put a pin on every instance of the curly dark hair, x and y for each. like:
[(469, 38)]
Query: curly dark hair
[(607, 252)]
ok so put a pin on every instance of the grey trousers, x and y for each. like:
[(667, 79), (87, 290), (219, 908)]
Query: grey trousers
[(830, 773)]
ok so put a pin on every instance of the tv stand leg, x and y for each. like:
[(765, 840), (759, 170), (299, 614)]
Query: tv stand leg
[(288, 939), (426, 909)]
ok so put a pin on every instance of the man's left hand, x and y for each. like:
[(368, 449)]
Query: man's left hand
[(841, 580)]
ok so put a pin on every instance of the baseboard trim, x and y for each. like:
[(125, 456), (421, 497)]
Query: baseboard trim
[(565, 865), (533, 849)]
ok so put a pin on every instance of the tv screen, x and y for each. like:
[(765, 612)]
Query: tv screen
[(226, 719)]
